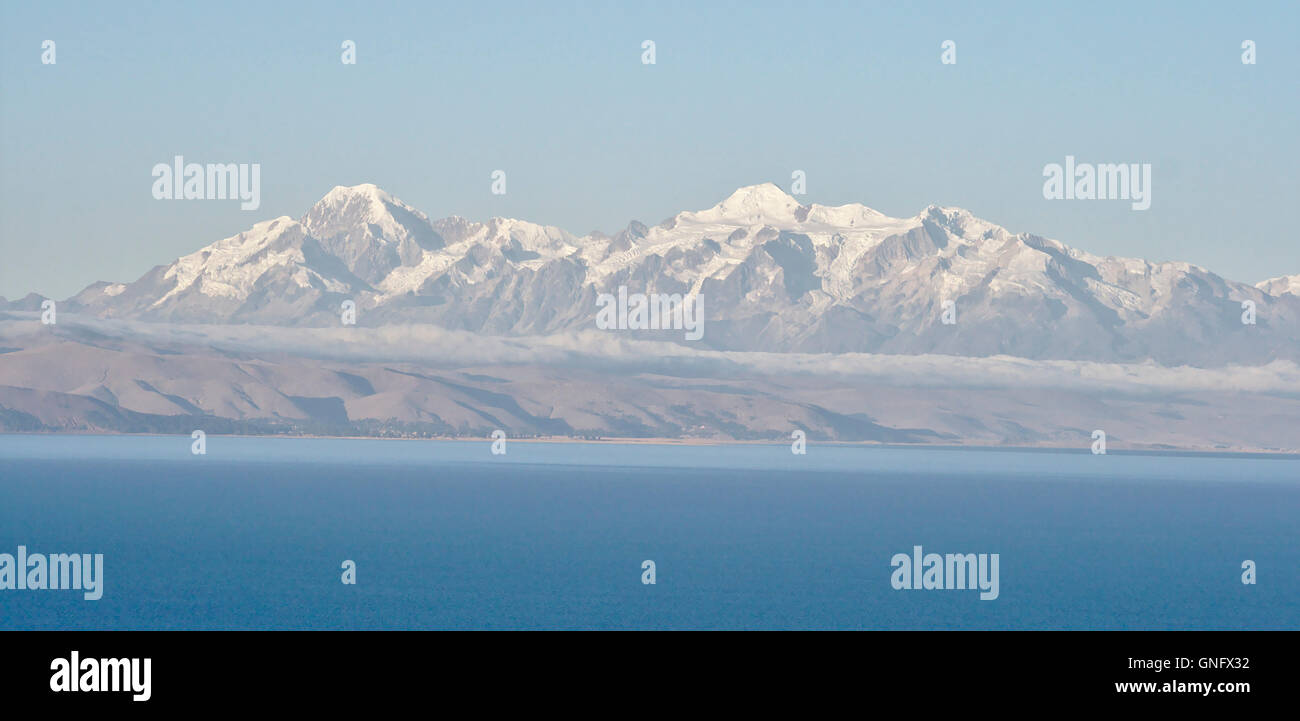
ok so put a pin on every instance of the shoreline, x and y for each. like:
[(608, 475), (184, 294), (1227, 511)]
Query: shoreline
[(702, 442)]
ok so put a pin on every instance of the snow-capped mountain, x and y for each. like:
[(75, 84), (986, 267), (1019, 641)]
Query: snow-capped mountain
[(370, 231), (1281, 285), (774, 275)]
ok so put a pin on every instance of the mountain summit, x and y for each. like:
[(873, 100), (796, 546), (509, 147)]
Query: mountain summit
[(370, 231), (777, 275), (752, 204)]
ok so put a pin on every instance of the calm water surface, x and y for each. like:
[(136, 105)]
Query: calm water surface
[(447, 536)]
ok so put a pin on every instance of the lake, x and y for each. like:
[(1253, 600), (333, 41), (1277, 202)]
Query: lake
[(446, 535)]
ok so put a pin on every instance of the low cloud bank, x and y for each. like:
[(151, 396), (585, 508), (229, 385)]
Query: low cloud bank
[(608, 352)]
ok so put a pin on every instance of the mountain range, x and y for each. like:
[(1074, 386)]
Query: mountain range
[(774, 275), (822, 319)]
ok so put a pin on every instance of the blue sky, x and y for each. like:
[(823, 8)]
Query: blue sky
[(556, 95)]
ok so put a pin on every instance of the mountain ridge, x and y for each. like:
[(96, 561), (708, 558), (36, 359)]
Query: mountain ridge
[(777, 275)]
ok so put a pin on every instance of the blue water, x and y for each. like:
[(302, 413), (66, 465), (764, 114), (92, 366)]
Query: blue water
[(446, 535)]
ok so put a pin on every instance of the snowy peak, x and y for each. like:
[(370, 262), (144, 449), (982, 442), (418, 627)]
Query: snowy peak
[(268, 236), (347, 207), (229, 268), (364, 192), (366, 195), (371, 231), (963, 227), (751, 205), (1281, 285), (852, 215)]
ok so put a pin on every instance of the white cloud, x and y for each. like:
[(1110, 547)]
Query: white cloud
[(609, 352)]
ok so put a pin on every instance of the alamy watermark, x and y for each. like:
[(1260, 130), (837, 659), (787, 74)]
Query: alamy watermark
[(76, 674), (953, 571), (1104, 181), (651, 311), (214, 181), (55, 572)]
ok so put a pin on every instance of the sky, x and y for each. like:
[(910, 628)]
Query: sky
[(556, 94)]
